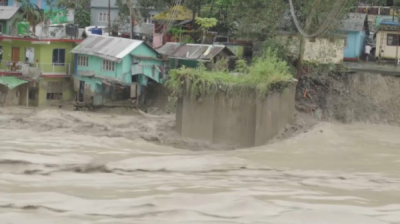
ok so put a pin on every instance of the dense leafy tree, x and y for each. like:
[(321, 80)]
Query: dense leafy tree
[(82, 12), (31, 12)]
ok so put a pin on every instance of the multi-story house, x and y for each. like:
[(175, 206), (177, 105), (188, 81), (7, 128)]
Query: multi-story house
[(34, 70)]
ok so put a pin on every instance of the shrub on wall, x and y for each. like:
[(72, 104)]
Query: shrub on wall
[(266, 72)]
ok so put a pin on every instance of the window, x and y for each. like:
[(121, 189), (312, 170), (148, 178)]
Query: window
[(108, 65), (103, 17), (392, 39), (54, 90), (1, 28), (83, 61), (58, 57)]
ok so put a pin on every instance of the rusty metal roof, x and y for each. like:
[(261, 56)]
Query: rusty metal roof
[(6, 12), (192, 51), (109, 48)]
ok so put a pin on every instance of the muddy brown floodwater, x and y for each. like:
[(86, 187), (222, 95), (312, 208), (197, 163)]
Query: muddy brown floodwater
[(64, 167)]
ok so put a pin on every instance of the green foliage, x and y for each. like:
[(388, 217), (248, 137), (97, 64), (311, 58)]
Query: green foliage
[(123, 12), (266, 73), (31, 11), (176, 31), (82, 18), (82, 14), (221, 65), (241, 66), (256, 19), (68, 4), (277, 46), (187, 39), (206, 23)]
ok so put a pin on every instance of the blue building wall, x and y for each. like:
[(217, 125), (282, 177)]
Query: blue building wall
[(355, 45), (41, 3)]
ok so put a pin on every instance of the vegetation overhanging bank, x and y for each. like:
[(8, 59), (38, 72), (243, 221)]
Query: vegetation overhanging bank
[(267, 73)]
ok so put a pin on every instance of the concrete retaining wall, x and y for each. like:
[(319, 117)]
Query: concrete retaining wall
[(244, 121)]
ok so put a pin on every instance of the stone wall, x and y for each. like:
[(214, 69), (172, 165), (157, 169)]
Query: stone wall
[(244, 121)]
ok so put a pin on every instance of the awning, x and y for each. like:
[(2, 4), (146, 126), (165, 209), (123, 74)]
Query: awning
[(11, 82)]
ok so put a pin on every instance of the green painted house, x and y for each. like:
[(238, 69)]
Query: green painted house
[(7, 13), (111, 68)]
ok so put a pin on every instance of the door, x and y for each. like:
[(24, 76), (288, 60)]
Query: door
[(98, 97), (15, 54), (81, 90)]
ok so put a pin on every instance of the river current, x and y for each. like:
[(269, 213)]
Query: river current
[(333, 174)]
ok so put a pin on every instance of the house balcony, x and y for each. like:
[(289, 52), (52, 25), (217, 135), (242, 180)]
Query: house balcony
[(44, 69)]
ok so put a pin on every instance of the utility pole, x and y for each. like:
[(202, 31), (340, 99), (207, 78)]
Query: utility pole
[(394, 9), (109, 20), (128, 2), (397, 35)]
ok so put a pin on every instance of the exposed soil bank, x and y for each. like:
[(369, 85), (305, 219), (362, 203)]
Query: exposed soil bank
[(350, 97)]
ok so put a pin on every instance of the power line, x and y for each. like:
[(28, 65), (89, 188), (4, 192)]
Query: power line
[(337, 8), (173, 17)]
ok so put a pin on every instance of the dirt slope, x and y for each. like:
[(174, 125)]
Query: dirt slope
[(351, 97)]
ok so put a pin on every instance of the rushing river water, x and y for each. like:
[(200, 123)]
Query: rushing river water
[(333, 174)]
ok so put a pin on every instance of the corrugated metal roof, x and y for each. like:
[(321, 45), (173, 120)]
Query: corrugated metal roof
[(6, 12), (11, 82), (353, 22), (109, 48), (192, 51)]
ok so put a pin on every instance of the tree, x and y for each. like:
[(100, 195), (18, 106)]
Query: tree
[(316, 17), (31, 12), (82, 14), (68, 4), (205, 24)]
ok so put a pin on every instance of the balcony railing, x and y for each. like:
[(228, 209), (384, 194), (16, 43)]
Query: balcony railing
[(55, 68), (45, 68)]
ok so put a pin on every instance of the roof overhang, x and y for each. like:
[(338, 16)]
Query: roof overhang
[(109, 58), (10, 39), (11, 82)]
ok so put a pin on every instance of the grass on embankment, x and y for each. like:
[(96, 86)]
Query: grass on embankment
[(266, 73)]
